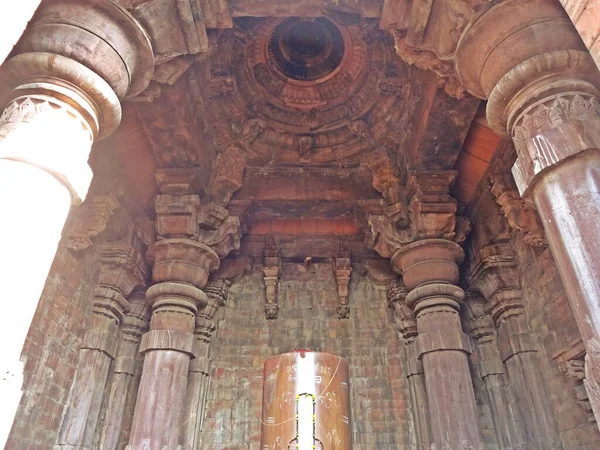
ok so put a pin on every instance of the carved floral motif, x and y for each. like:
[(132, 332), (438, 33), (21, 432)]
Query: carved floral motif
[(552, 112)]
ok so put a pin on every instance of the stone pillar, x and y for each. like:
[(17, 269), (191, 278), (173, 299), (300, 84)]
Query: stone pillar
[(176, 297), (192, 239), (407, 329), (121, 269), (135, 322), (542, 87), (429, 269), (480, 326), (199, 377), (426, 253), (496, 274), (61, 91)]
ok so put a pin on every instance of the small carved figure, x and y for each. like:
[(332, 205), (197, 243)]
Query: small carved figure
[(360, 130), (252, 129), (305, 146)]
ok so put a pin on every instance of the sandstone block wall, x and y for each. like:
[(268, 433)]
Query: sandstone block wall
[(307, 319)]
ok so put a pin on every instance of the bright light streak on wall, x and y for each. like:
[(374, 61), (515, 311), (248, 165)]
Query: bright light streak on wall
[(306, 422)]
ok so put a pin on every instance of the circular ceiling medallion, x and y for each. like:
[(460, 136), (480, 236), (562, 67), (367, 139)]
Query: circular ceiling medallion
[(306, 49)]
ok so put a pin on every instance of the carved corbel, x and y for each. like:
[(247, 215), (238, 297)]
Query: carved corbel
[(495, 273), (91, 219), (386, 180), (225, 238), (521, 216), (271, 276), (573, 362), (178, 204), (342, 269), (432, 209), (227, 174)]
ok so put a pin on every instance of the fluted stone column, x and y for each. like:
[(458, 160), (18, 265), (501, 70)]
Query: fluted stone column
[(407, 329), (181, 268), (479, 324), (429, 268), (61, 91), (135, 323), (122, 268), (543, 92), (199, 377), (192, 240), (496, 275)]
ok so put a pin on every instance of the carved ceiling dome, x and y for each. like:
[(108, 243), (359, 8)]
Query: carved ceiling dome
[(306, 50), (310, 91)]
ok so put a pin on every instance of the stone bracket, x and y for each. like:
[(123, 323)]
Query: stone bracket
[(433, 341), (342, 270), (168, 340)]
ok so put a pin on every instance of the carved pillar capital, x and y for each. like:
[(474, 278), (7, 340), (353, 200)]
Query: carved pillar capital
[(541, 82), (428, 261), (182, 260), (90, 54)]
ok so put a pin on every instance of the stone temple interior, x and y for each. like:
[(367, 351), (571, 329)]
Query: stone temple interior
[(189, 188)]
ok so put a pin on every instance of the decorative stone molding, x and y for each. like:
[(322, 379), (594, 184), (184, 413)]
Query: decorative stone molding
[(342, 268)]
